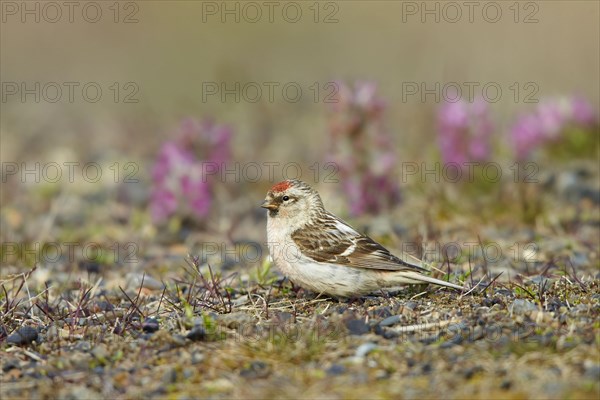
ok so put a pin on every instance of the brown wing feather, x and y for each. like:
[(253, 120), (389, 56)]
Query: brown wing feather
[(326, 243)]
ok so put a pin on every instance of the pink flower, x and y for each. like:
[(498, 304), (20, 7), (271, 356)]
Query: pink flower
[(361, 148), (179, 185), (170, 156), (583, 112), (547, 122), (464, 131), (163, 203)]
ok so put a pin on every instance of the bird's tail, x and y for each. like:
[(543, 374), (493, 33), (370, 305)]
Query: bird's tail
[(413, 277)]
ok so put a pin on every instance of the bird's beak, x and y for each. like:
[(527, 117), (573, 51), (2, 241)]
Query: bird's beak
[(268, 205)]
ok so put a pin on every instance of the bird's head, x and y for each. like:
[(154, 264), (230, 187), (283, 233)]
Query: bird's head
[(293, 199)]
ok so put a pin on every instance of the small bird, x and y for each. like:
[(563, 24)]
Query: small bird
[(320, 252)]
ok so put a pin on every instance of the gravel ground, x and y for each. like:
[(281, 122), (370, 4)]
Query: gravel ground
[(172, 326)]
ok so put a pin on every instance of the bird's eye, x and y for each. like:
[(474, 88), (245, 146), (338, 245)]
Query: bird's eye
[(286, 198)]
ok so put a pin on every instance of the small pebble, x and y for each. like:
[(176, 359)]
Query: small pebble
[(389, 334), (240, 301), (490, 302), (170, 376), (11, 364), (341, 309), (336, 369), (592, 370), (236, 320), (196, 334), (150, 325), (197, 357), (541, 280), (90, 266), (394, 319), (381, 312), (188, 373), (283, 316), (83, 345), (382, 374), (455, 340), (365, 349), (357, 327), (521, 306), (504, 292), (104, 306), (24, 335), (52, 332), (100, 353), (470, 372), (178, 339), (135, 280), (256, 369)]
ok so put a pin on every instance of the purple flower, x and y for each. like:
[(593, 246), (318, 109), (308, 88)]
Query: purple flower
[(196, 189), (362, 149), (163, 203), (179, 184), (546, 123), (464, 131), (208, 141), (170, 156), (583, 112)]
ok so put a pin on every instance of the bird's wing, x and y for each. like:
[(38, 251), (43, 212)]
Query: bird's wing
[(333, 241)]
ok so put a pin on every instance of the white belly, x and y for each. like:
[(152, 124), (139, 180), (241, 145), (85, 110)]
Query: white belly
[(338, 280)]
